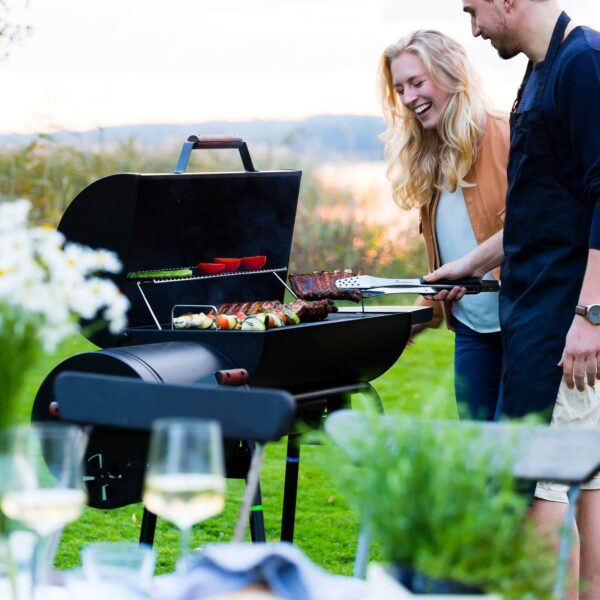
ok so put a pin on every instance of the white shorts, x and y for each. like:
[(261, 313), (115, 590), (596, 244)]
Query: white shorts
[(573, 409)]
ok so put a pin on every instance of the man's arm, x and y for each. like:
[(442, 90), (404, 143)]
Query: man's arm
[(581, 356), (578, 112), (484, 258)]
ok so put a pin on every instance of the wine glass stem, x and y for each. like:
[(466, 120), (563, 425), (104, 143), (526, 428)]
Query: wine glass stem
[(35, 566), (40, 575), (185, 546), (42, 563)]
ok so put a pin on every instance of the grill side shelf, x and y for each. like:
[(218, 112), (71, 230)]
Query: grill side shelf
[(141, 282)]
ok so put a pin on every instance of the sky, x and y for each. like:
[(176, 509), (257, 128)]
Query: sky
[(99, 63)]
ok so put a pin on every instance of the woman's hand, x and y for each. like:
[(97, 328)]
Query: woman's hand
[(477, 263), (457, 269)]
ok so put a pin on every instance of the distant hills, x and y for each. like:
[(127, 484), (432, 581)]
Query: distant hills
[(320, 138)]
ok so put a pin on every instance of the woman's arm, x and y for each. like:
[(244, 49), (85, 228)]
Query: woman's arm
[(487, 256)]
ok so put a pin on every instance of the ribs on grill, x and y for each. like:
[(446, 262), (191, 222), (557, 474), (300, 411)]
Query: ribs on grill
[(320, 285)]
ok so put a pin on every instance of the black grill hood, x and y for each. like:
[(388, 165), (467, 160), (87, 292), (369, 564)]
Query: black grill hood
[(169, 220)]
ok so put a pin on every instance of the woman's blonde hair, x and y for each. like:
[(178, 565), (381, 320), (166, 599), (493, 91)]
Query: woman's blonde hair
[(421, 161)]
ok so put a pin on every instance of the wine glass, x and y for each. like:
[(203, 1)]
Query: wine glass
[(44, 487), (185, 481)]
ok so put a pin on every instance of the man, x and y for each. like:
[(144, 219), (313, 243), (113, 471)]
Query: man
[(550, 246)]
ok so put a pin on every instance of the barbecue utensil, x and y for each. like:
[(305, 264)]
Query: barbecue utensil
[(377, 286)]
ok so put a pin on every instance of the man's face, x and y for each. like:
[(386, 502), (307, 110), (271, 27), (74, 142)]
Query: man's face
[(490, 21)]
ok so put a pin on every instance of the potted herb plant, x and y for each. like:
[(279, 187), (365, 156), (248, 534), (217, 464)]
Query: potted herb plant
[(442, 504)]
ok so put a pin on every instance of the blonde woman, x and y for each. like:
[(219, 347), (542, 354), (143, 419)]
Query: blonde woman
[(446, 154)]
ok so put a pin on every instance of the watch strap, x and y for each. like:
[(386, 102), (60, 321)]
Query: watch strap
[(581, 309)]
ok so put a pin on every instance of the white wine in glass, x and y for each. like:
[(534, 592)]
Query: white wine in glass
[(44, 511), (185, 498), (185, 481), (43, 489)]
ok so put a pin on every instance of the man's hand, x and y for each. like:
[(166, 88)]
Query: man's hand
[(581, 356), (580, 360)]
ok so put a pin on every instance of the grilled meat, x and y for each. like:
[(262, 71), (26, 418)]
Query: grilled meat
[(303, 310), (312, 311), (321, 285), (249, 308)]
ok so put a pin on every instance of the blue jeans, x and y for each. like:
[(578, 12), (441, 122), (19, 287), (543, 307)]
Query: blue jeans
[(477, 372)]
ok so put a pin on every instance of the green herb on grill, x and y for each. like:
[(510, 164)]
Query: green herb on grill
[(160, 274)]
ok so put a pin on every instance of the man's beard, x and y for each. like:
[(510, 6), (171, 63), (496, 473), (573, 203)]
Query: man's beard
[(507, 53)]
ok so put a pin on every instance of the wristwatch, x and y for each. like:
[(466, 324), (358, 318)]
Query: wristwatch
[(589, 311)]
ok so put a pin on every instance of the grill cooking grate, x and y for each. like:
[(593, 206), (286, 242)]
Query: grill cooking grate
[(200, 277)]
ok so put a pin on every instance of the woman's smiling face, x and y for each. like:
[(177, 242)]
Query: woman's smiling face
[(417, 90)]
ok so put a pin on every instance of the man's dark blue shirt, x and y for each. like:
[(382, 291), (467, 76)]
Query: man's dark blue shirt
[(571, 108)]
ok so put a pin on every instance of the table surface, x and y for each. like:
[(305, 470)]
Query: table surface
[(379, 585), (61, 592)]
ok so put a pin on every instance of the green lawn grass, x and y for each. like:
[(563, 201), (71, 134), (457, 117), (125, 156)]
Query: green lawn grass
[(420, 382)]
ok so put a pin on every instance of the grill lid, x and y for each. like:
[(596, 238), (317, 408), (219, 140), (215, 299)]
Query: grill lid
[(174, 220)]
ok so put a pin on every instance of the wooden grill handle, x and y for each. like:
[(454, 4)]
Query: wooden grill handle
[(214, 142), (232, 376)]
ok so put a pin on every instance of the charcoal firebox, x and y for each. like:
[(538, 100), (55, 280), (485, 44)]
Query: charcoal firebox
[(175, 220)]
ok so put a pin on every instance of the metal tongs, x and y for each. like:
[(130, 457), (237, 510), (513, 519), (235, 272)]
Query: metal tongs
[(378, 286)]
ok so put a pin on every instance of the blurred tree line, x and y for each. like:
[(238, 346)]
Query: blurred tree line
[(327, 234)]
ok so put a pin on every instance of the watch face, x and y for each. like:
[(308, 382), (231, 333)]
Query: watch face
[(593, 314)]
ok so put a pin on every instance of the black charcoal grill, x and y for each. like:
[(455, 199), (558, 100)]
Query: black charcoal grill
[(175, 220)]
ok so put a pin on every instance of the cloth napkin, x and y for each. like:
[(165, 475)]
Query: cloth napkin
[(225, 568)]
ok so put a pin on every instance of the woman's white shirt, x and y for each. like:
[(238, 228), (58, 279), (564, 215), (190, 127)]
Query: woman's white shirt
[(455, 238)]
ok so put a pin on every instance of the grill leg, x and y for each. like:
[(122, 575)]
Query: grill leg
[(148, 528), (344, 399), (290, 490), (257, 519), (370, 392)]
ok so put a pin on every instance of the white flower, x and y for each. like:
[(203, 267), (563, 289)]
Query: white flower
[(107, 261), (79, 259), (116, 312), (57, 283)]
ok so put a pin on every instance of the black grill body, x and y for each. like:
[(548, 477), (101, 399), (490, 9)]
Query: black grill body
[(344, 348), (115, 458), (173, 220)]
